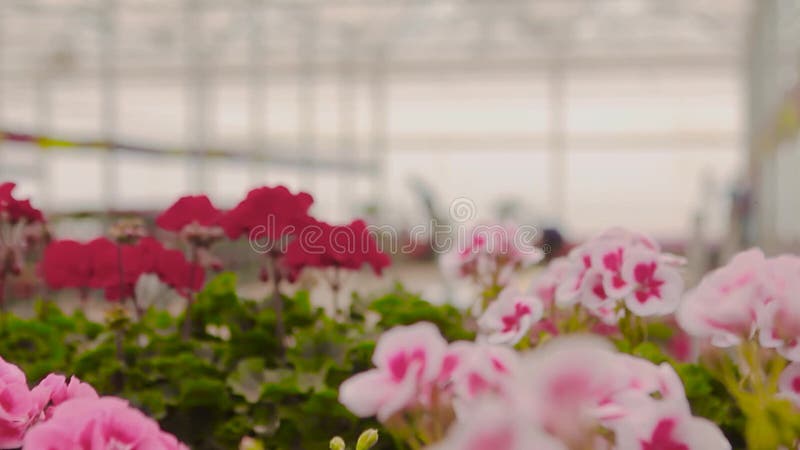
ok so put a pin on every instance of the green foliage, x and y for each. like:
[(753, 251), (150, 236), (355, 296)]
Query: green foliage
[(404, 308), (231, 379)]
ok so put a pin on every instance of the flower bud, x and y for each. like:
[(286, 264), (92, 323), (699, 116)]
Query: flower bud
[(337, 443), (367, 440)]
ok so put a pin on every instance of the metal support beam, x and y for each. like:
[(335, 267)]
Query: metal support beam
[(257, 91), (346, 115), (108, 99), (379, 126), (307, 98), (197, 95), (557, 141), (44, 122)]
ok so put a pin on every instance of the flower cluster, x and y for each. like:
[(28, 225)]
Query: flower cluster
[(488, 256), (486, 396), (416, 370), (750, 297), (268, 213), (99, 424), (617, 267), (195, 219), (116, 268), (61, 415), (321, 245)]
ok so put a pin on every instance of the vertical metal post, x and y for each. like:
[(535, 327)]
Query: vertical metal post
[(197, 104), (108, 107), (346, 116), (307, 99), (379, 126), (44, 115), (257, 98), (557, 140)]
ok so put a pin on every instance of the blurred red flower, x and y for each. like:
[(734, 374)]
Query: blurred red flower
[(270, 213), (17, 210), (96, 264), (187, 210), (323, 245)]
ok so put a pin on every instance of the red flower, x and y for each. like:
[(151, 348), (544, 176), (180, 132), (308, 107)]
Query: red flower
[(66, 263), (17, 210), (188, 210), (268, 213), (347, 247), (174, 270), (96, 264)]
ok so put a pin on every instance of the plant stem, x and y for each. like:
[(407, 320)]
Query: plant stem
[(118, 377), (336, 286), (277, 304), (186, 332), (122, 294)]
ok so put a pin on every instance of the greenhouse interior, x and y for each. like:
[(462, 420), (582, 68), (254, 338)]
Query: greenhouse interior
[(399, 224)]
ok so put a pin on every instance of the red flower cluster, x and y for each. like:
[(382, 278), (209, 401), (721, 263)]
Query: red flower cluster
[(323, 245), (97, 264), (14, 210), (270, 213), (191, 209)]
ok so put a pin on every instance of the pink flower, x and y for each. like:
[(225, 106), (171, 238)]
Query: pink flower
[(544, 285), (20, 407), (667, 425), (478, 369), (779, 317), (493, 426), (574, 281), (74, 389), (723, 306), (490, 254), (655, 287), (407, 360), (565, 398), (575, 392), (620, 265), (509, 318), (98, 424), (789, 383)]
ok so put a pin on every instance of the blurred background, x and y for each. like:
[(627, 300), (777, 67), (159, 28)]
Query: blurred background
[(678, 118)]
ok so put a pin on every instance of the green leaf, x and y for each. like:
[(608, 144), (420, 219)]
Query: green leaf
[(249, 379)]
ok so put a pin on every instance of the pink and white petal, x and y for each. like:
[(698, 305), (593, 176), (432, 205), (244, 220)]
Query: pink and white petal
[(790, 350), (702, 434), (400, 396), (594, 295), (423, 338), (667, 300), (572, 283), (789, 383), (364, 393), (608, 258), (491, 426)]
